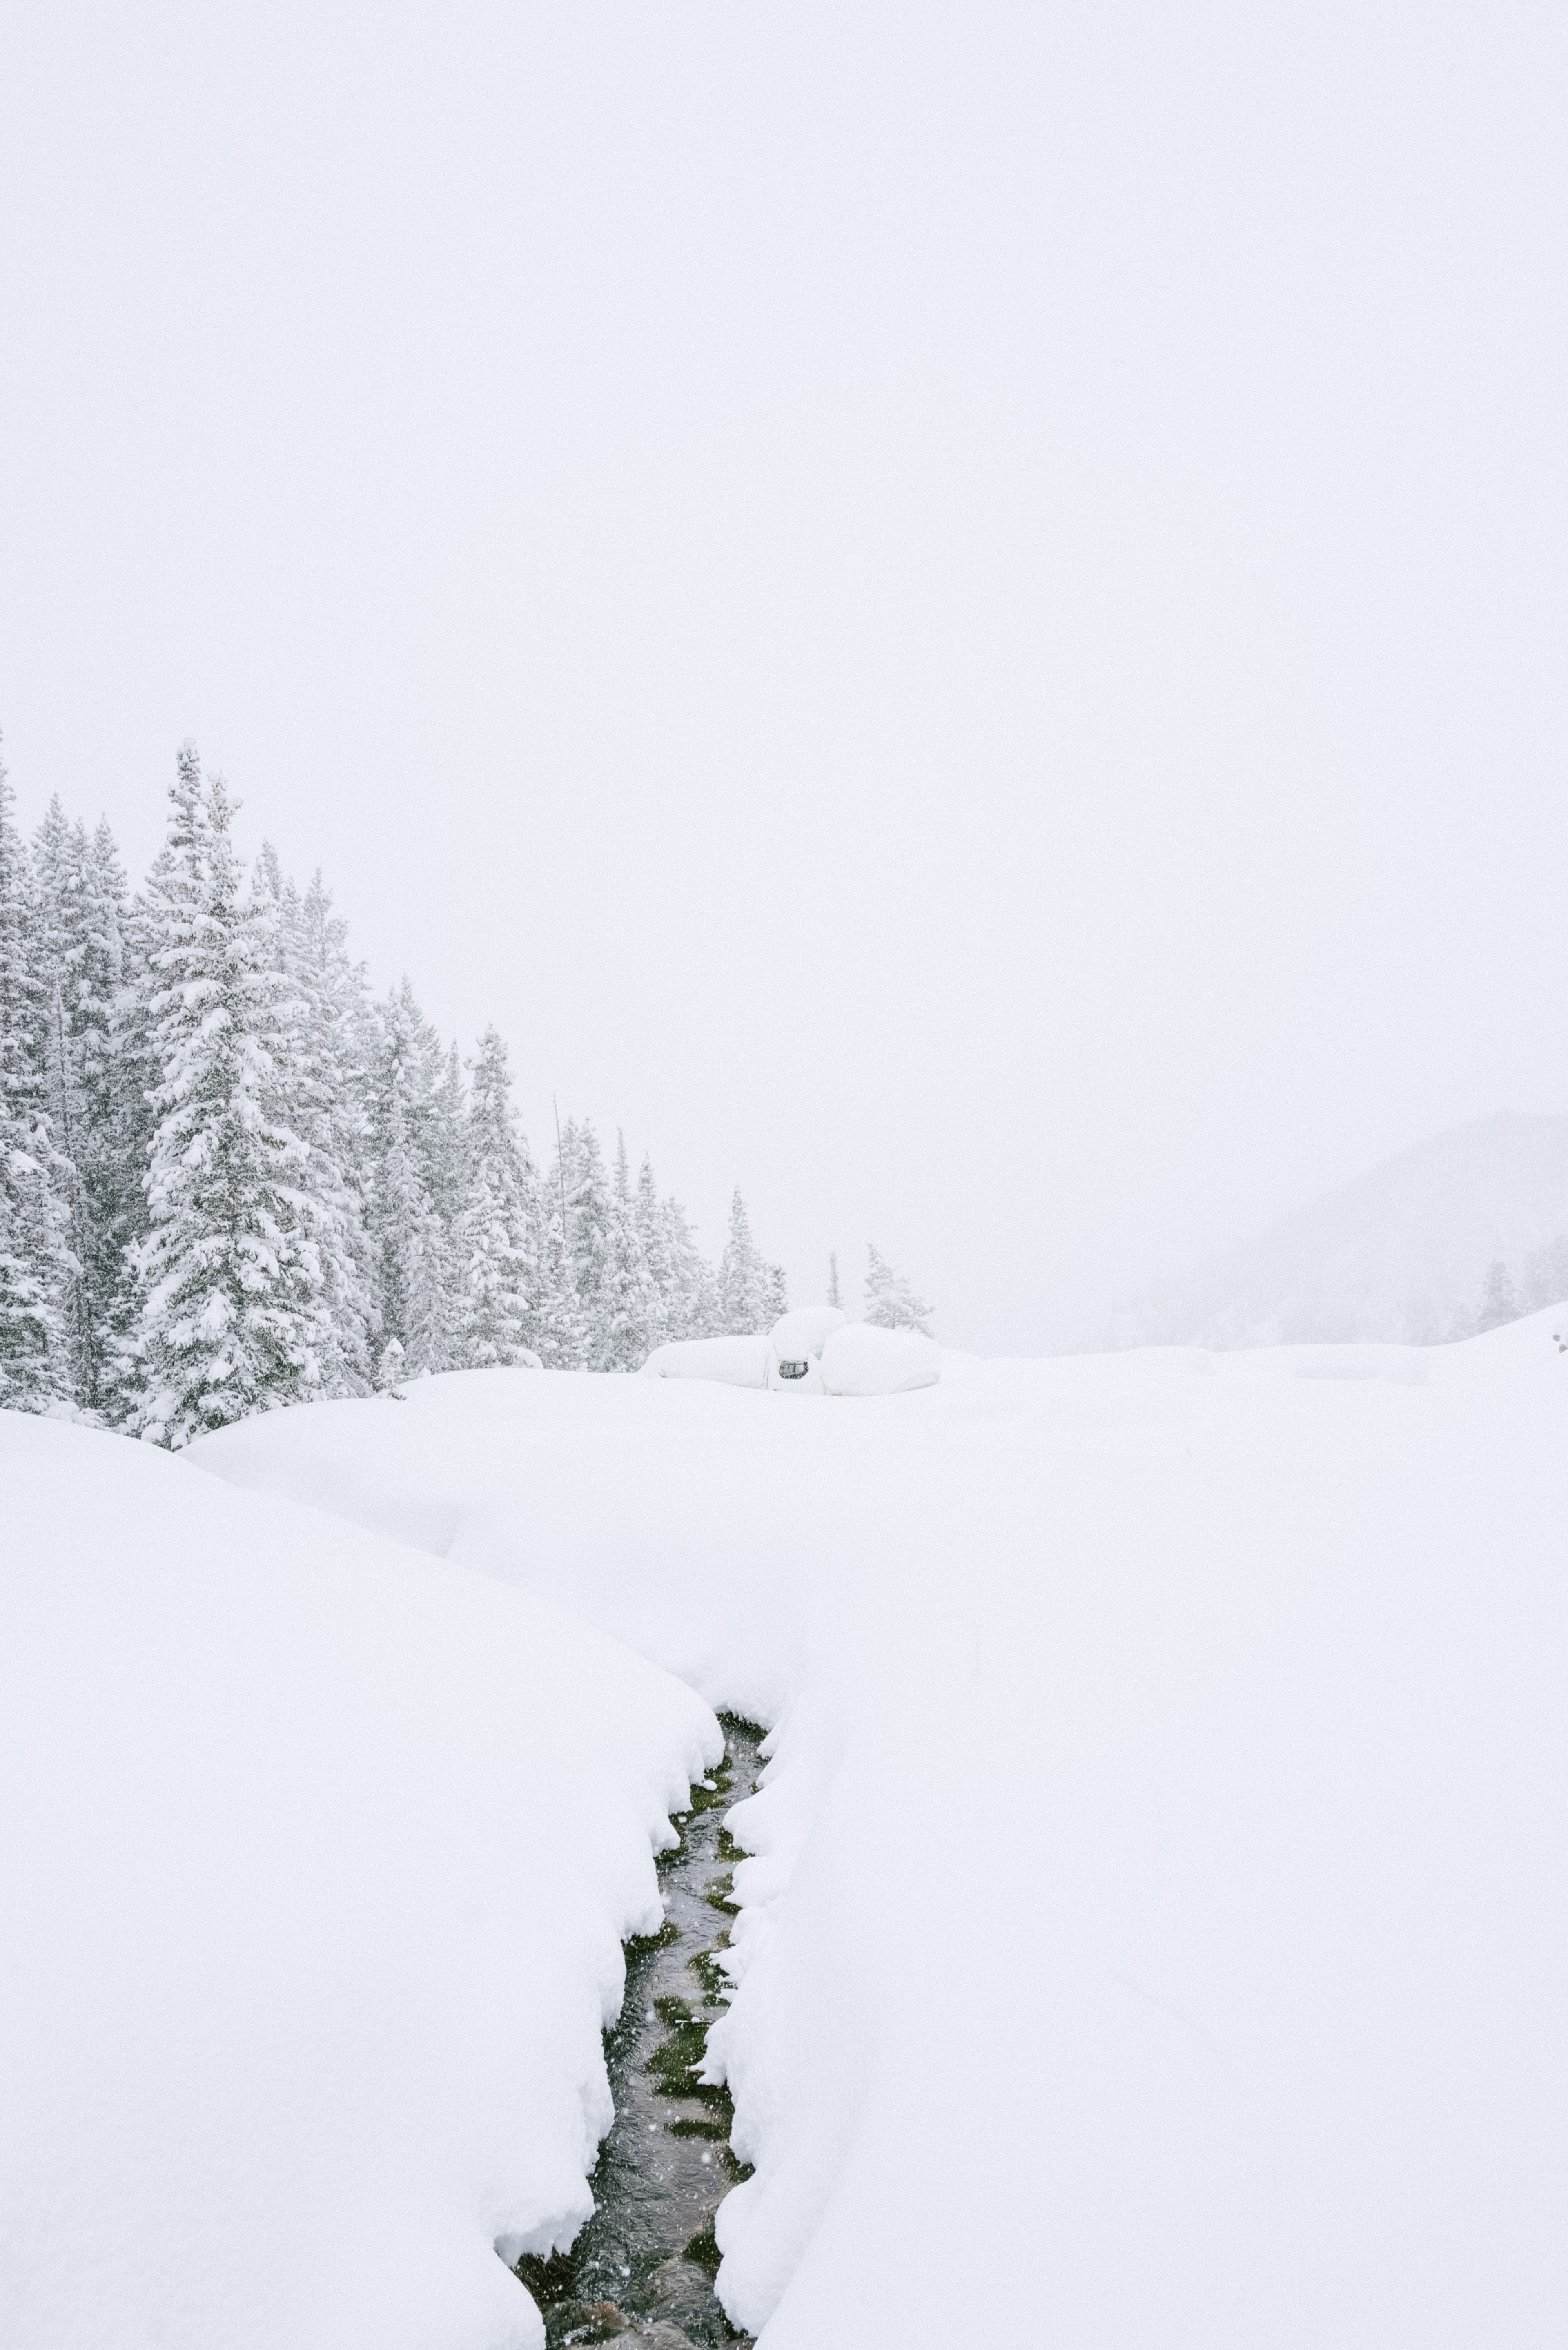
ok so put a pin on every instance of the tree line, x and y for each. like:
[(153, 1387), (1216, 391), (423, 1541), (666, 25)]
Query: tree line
[(231, 1179)]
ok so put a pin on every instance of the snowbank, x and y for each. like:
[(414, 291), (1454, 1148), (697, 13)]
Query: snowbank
[(729, 1362), (316, 1854), (813, 1351), (861, 1360), (1154, 1934)]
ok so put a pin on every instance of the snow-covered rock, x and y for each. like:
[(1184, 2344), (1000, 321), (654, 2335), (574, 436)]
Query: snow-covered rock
[(806, 1331), (316, 1856), (729, 1362), (862, 1361)]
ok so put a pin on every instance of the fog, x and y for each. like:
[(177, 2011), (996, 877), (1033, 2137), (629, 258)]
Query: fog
[(955, 614)]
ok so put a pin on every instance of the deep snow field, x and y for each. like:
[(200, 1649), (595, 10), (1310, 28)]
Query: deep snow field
[(1156, 1934)]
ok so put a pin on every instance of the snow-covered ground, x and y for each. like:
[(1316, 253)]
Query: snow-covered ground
[(1155, 1933), (315, 1856)]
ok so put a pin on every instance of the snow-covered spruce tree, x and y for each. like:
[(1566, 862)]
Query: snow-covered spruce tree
[(743, 1297), (80, 896), (37, 1266), (654, 1233), (497, 1229), (447, 1169), (59, 948), (133, 1077), (319, 1098), (337, 1021), (1498, 1304), (414, 1288), (587, 1225), (834, 1298), (627, 1317), (691, 1297), (890, 1303), (111, 1168), (229, 1289), (410, 1250), (560, 1334)]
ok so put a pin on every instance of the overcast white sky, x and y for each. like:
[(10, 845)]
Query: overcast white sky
[(953, 612)]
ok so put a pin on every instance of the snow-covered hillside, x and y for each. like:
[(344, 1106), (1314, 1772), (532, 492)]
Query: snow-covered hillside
[(1403, 1254), (1154, 1933)]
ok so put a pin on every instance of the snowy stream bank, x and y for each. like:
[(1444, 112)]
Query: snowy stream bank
[(644, 2264)]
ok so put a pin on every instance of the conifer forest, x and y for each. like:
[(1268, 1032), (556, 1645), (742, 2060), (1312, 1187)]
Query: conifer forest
[(231, 1179)]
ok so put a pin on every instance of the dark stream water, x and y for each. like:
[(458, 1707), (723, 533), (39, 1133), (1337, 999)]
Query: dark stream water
[(641, 2271)]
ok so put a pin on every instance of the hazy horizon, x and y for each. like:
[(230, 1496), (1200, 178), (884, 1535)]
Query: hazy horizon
[(956, 618)]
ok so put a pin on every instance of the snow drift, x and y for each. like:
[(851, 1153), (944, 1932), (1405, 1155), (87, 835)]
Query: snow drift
[(729, 1362), (316, 1854), (813, 1351), (1154, 1934), (862, 1361)]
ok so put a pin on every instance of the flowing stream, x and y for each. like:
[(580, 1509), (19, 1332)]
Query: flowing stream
[(642, 2268)]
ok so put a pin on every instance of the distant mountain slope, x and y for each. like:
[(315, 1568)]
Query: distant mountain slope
[(1402, 1255)]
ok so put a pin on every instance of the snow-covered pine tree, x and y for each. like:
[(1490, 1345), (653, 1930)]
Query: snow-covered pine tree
[(364, 1154), (447, 1145), (59, 950), (267, 875), (655, 1237), (890, 1303), (410, 1240), (80, 899), (406, 1239), (560, 1336), (1498, 1304), (319, 1097), (334, 1129), (444, 1138), (111, 1172), (229, 1298), (774, 1296), (743, 1295), (560, 1331), (834, 1298), (691, 1298), (627, 1317), (588, 1222), (132, 1078), (36, 1264), (498, 1272)]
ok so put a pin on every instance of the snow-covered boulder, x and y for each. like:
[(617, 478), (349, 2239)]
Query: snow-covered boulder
[(732, 1362), (862, 1361), (794, 1348)]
